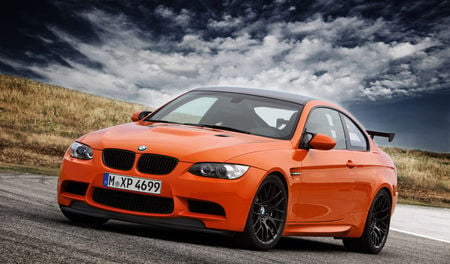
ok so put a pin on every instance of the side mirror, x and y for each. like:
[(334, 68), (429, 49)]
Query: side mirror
[(139, 115), (322, 142)]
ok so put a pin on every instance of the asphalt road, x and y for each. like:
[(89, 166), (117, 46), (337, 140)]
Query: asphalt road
[(32, 230)]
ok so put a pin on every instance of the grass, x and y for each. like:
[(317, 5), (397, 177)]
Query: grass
[(24, 168), (39, 121), (423, 177)]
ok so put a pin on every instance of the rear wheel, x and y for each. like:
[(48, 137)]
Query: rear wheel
[(84, 219), (266, 219), (377, 226)]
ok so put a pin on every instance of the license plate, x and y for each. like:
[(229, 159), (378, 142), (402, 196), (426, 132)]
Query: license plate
[(131, 183)]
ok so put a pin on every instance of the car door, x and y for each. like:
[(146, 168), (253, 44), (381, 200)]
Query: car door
[(362, 158), (327, 176)]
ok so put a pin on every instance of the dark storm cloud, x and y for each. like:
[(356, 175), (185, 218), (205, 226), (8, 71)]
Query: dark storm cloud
[(147, 51)]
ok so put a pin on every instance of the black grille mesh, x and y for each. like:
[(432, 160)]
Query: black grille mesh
[(133, 201), (156, 164), (118, 159)]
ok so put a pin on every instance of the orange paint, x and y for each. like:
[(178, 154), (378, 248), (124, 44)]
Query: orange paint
[(329, 191)]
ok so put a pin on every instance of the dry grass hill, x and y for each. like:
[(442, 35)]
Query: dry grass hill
[(39, 121)]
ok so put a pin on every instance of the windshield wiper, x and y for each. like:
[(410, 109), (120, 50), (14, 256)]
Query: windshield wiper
[(201, 125), (161, 121), (219, 127)]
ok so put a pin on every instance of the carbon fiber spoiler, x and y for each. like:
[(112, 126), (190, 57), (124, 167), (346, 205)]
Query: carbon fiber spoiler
[(372, 134)]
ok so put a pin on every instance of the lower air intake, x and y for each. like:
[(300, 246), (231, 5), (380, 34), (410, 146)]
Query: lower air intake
[(133, 201)]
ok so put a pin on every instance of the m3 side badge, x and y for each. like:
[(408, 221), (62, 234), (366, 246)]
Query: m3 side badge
[(142, 148)]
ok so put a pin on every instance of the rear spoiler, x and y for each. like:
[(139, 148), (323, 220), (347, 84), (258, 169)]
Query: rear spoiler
[(372, 134)]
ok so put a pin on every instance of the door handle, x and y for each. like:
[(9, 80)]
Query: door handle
[(350, 164)]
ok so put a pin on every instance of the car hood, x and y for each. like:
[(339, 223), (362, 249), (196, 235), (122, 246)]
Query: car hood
[(186, 143)]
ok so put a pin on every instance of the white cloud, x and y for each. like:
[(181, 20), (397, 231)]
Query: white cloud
[(164, 11), (400, 50), (301, 57), (182, 18), (227, 22)]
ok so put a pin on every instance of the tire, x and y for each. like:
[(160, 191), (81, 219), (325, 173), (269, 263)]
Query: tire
[(84, 219), (267, 216), (376, 229)]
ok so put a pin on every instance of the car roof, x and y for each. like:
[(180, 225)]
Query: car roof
[(285, 96)]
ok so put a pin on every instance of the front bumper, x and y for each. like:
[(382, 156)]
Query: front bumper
[(83, 208), (234, 196)]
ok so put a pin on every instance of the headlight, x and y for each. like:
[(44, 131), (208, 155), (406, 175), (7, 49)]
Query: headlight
[(218, 170), (80, 151)]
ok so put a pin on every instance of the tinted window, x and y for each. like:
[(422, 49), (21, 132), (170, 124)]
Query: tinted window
[(256, 115), (275, 117), (327, 121), (356, 139)]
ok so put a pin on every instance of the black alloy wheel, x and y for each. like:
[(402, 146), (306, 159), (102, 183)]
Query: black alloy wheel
[(267, 216), (377, 226)]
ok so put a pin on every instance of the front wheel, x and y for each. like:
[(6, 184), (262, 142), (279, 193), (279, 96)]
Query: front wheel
[(377, 226), (267, 216)]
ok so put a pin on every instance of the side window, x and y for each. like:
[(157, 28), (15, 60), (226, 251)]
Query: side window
[(327, 121), (356, 139)]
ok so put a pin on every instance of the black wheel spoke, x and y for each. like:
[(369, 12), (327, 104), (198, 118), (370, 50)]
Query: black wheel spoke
[(256, 221), (270, 232), (279, 210), (380, 220), (382, 224), (277, 204), (273, 220), (382, 212), (269, 212), (265, 232), (375, 237), (276, 198)]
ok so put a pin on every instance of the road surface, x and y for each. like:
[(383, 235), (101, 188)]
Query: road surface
[(32, 230)]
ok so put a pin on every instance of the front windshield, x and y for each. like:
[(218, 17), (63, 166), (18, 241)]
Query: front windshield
[(232, 111)]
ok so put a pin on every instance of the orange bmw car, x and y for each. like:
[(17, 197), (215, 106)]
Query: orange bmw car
[(259, 163)]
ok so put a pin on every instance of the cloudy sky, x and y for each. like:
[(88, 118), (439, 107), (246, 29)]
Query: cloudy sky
[(386, 61)]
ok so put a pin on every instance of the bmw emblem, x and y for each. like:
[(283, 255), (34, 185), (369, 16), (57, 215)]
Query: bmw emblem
[(142, 148)]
